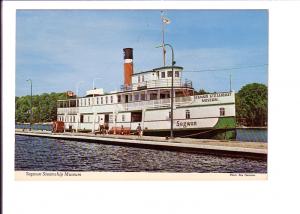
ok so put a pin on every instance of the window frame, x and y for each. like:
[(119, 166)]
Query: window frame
[(222, 111), (187, 114)]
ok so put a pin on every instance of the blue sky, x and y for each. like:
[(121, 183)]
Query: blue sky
[(59, 48)]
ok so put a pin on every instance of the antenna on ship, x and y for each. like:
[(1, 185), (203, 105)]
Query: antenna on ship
[(164, 21), (230, 82)]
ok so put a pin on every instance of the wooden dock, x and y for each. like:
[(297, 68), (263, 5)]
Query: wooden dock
[(255, 150)]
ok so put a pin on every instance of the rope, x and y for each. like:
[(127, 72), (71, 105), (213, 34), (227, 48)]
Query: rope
[(196, 133)]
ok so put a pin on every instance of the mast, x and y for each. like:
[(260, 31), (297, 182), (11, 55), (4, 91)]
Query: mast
[(164, 21), (163, 38)]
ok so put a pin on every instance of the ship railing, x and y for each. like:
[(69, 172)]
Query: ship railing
[(158, 83), (158, 103), (70, 110)]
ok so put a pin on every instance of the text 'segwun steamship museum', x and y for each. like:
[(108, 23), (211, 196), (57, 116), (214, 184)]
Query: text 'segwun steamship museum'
[(145, 99)]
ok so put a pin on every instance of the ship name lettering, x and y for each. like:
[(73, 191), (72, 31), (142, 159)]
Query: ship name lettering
[(210, 100), (212, 97), (186, 124)]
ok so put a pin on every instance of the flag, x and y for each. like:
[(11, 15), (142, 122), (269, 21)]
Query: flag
[(166, 20)]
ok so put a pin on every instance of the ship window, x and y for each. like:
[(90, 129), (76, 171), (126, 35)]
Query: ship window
[(169, 73), (106, 99), (72, 103), (143, 96), (89, 101), (84, 102), (101, 100), (123, 117), (136, 116), (143, 79), (111, 99), (187, 114), (153, 96), (176, 73), (130, 98), (169, 115), (136, 97), (163, 74), (119, 98), (139, 79), (222, 111), (97, 100), (111, 118)]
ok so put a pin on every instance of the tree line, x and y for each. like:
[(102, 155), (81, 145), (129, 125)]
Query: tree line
[(251, 106), (44, 107)]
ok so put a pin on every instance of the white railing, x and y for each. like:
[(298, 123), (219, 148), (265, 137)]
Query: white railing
[(161, 83), (72, 110), (157, 103)]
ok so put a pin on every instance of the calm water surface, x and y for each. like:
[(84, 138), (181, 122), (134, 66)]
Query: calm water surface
[(34, 153)]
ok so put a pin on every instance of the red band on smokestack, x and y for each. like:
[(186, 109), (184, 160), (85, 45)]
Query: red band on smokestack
[(128, 66)]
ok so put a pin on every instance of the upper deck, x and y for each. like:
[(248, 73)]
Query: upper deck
[(158, 77), (92, 104)]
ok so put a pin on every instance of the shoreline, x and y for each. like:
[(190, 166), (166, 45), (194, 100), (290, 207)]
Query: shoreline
[(256, 150), (252, 127)]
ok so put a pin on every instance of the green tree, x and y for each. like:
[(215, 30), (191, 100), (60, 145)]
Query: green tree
[(44, 107), (200, 92), (252, 104)]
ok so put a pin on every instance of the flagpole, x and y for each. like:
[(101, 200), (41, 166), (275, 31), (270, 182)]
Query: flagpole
[(163, 39)]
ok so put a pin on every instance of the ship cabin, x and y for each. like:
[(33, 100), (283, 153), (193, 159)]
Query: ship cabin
[(148, 88), (155, 84)]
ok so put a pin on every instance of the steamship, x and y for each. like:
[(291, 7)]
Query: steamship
[(145, 99)]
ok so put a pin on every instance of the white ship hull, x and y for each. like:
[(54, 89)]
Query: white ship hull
[(200, 116)]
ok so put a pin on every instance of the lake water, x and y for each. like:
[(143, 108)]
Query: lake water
[(252, 135), (44, 154)]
